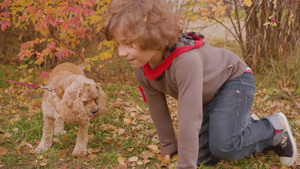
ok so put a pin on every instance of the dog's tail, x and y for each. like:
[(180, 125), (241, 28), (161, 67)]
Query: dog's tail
[(83, 65)]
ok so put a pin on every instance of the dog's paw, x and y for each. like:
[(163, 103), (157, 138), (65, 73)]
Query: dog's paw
[(58, 133), (40, 149), (79, 152)]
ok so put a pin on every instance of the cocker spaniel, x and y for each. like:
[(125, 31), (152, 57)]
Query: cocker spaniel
[(75, 99)]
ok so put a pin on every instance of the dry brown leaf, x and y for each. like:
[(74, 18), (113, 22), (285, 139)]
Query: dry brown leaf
[(92, 156), (147, 154), (90, 151), (127, 121), (121, 131), (133, 109), (109, 127), (144, 117), (139, 163), (91, 136), (133, 159), (3, 150), (146, 161), (21, 145), (108, 140), (55, 140), (133, 115), (121, 160), (43, 164), (62, 153), (7, 135), (153, 148), (148, 132), (122, 92), (86, 163), (64, 166), (297, 104)]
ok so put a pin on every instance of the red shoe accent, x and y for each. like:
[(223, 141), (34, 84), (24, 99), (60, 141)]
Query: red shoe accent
[(277, 131), (248, 70)]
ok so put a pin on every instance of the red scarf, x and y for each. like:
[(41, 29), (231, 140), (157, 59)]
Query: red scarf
[(152, 74)]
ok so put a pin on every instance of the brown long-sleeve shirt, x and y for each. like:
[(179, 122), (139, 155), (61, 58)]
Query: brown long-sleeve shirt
[(193, 79)]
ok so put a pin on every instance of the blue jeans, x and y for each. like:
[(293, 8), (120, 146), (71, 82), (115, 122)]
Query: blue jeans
[(226, 132)]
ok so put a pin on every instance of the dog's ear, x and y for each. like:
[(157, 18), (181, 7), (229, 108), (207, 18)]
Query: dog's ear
[(59, 91), (101, 99)]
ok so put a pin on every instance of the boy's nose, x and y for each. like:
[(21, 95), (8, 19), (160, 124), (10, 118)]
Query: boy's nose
[(122, 51)]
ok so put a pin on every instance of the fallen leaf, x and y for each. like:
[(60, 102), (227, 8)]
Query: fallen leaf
[(64, 166), (133, 159), (43, 164), (127, 121), (121, 131), (55, 140), (122, 92), (153, 148), (139, 163), (297, 104), (92, 156), (40, 157), (62, 153), (146, 161), (121, 161), (90, 151), (3, 150), (108, 140), (86, 163), (7, 135), (147, 154)]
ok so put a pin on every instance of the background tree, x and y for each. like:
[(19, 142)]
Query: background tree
[(265, 30), (50, 30), (58, 29)]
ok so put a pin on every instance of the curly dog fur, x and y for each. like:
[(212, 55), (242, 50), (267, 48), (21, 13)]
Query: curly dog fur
[(77, 99)]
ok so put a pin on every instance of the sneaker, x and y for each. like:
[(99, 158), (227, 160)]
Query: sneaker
[(283, 142), (253, 117)]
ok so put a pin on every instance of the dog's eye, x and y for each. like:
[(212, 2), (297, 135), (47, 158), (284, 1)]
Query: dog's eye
[(85, 102)]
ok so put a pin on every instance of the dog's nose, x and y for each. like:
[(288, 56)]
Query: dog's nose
[(94, 111)]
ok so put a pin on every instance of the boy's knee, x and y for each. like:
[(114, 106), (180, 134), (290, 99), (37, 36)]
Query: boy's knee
[(225, 152)]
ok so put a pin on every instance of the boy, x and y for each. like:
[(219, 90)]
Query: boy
[(214, 88)]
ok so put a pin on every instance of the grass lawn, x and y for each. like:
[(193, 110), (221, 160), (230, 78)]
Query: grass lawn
[(125, 136)]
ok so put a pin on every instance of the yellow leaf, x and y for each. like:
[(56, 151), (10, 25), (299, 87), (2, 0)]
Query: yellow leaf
[(247, 2), (3, 150), (121, 161), (94, 58), (89, 66), (266, 24)]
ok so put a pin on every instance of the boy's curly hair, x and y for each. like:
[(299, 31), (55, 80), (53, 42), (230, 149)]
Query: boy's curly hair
[(150, 24)]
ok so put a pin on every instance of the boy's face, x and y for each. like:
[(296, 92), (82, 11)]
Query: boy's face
[(134, 55)]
